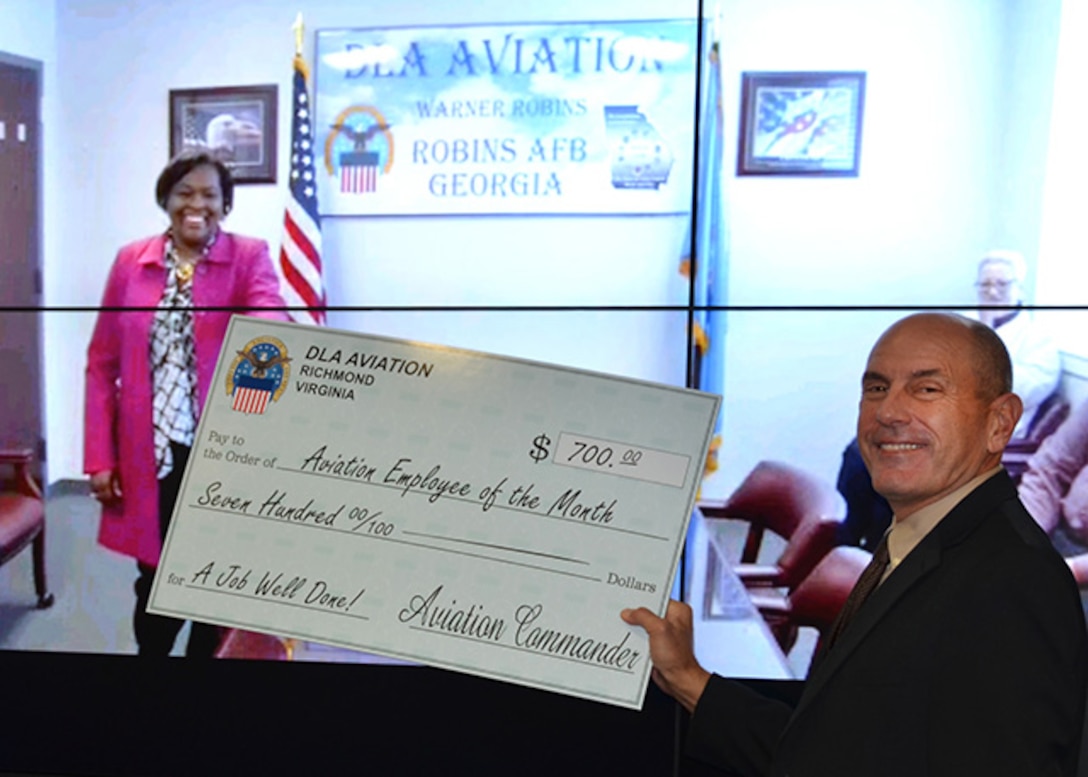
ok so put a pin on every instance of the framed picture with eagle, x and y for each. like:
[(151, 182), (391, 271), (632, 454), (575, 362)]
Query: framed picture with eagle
[(236, 123)]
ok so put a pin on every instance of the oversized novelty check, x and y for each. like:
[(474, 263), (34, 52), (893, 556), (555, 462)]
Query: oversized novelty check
[(479, 513)]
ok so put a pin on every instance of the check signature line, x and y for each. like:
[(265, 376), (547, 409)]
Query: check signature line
[(497, 547), (476, 502), (522, 650), (276, 600), (509, 562), (410, 543)]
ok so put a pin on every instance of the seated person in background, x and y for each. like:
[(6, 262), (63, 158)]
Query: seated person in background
[(868, 514), (1036, 365), (1054, 488)]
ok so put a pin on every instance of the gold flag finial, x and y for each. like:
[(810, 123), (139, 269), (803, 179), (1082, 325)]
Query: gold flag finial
[(299, 28)]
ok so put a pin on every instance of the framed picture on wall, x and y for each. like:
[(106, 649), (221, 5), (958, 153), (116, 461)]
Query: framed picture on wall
[(800, 123), (237, 123)]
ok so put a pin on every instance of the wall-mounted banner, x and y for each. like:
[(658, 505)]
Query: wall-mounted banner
[(556, 118)]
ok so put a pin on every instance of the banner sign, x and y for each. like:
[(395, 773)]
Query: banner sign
[(556, 118)]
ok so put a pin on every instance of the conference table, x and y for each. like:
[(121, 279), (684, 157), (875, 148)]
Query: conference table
[(731, 637)]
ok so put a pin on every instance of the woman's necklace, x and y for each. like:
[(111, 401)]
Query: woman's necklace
[(184, 272), (183, 268)]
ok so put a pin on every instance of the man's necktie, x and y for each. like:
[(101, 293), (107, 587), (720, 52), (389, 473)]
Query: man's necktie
[(867, 583)]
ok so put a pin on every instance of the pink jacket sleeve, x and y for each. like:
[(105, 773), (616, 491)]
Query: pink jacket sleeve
[(262, 292), (102, 374)]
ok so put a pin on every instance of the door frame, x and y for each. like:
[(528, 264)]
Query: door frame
[(36, 68)]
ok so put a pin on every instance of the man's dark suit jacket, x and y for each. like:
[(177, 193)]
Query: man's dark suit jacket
[(969, 659)]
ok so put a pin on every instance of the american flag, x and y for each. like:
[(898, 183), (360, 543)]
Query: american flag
[(300, 254)]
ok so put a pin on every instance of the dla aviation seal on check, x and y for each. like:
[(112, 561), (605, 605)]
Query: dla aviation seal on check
[(480, 513)]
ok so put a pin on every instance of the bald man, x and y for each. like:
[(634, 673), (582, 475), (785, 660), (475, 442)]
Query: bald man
[(971, 655)]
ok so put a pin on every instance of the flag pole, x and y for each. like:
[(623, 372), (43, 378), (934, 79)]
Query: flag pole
[(300, 30)]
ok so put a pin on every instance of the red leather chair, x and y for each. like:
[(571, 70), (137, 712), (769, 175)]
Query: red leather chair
[(22, 518), (775, 497), (790, 503), (816, 600), (239, 643), (809, 543)]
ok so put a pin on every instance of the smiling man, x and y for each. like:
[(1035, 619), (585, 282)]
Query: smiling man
[(936, 410), (968, 652)]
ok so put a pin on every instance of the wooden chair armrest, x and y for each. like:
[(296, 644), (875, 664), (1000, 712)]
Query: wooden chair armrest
[(759, 574), (770, 603), (1021, 447), (1016, 463), (712, 508), (21, 459), (16, 456)]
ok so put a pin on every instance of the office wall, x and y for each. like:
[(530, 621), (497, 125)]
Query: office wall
[(120, 59), (956, 110), (1063, 276), (954, 137), (28, 29)]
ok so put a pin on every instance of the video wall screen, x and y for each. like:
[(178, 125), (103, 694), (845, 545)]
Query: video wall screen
[(790, 289)]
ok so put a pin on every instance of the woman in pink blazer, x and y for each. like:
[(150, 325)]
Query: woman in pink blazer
[(164, 315)]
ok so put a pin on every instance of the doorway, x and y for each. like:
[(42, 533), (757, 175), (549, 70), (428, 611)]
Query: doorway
[(20, 256)]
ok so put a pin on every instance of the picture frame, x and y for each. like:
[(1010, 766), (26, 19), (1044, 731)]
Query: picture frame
[(236, 123), (801, 123)]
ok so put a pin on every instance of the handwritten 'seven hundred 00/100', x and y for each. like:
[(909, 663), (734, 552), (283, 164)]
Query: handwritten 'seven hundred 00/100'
[(429, 611)]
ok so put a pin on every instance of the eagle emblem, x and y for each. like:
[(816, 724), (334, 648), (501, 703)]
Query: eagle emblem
[(258, 375)]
